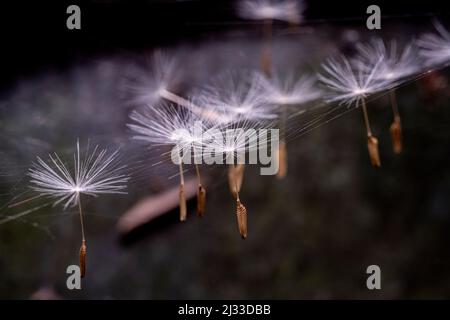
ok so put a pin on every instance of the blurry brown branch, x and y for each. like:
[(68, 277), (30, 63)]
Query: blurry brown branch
[(152, 207)]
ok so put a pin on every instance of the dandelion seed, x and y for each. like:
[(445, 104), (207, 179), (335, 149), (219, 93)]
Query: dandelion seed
[(349, 84), (237, 97), (166, 125), (240, 139), (283, 10), (269, 10), (97, 173), (234, 150), (244, 139), (284, 94), (159, 83), (435, 47), (161, 73), (290, 91), (352, 87), (235, 178), (175, 127), (395, 65)]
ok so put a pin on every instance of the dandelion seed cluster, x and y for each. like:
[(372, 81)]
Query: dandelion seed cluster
[(256, 99), (167, 105), (96, 173)]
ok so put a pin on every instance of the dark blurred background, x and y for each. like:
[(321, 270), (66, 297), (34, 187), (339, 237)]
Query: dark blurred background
[(34, 33), (311, 235)]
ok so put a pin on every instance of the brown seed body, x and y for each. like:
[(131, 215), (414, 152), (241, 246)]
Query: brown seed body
[(241, 213), (372, 145), (266, 60), (201, 201), (183, 208), (266, 51), (282, 160), (396, 135), (83, 251)]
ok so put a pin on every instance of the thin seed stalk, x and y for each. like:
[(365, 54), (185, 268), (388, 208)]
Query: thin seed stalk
[(21, 214), (372, 142), (205, 113), (282, 149), (182, 196), (394, 104), (396, 126), (366, 118), (232, 180), (201, 194), (83, 248), (24, 201), (235, 178)]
